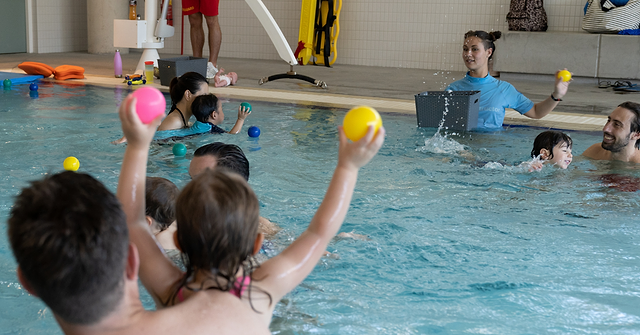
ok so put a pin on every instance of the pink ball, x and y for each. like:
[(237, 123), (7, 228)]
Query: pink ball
[(149, 103)]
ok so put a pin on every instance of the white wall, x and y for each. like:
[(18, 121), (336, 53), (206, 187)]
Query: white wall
[(401, 33), (59, 25)]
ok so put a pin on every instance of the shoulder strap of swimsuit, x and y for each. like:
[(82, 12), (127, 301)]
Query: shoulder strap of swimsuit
[(180, 295), (240, 286), (175, 108)]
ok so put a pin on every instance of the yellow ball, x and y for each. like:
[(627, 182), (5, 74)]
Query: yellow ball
[(357, 121), (565, 75), (71, 164)]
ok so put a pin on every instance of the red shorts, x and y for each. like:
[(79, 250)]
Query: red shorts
[(206, 7)]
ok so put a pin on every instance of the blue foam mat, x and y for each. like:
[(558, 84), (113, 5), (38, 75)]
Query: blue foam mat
[(19, 78)]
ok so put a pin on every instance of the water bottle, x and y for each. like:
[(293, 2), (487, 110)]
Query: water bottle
[(132, 9), (117, 65)]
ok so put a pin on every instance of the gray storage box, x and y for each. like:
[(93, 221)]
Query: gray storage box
[(177, 66), (462, 107)]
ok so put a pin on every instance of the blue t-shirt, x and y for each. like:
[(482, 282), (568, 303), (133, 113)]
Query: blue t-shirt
[(197, 128), (495, 96)]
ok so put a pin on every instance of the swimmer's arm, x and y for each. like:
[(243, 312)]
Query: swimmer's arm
[(267, 228), (120, 140), (243, 112), (541, 109), (284, 272), (157, 272)]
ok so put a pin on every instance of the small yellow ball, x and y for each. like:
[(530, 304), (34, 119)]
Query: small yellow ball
[(565, 75), (357, 121), (71, 164)]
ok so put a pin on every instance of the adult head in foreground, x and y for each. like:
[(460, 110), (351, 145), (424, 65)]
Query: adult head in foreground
[(620, 136)]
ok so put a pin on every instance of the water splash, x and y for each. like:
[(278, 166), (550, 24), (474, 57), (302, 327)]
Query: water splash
[(440, 144)]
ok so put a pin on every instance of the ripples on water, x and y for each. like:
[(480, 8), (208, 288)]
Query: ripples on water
[(461, 240)]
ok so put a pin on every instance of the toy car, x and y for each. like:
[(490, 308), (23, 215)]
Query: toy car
[(137, 82)]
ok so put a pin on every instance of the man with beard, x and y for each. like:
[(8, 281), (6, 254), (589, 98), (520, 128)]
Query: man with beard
[(621, 136)]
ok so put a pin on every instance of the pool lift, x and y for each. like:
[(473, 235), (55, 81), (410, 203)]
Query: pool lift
[(148, 33), (281, 45)]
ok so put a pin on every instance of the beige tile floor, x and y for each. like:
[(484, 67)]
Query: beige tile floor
[(387, 89)]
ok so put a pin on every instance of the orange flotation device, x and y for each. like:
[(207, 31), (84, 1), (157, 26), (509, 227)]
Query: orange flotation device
[(64, 72), (36, 68)]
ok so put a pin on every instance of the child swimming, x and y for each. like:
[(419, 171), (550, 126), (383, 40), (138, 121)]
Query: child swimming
[(208, 110), (160, 199), (217, 215), (552, 147)]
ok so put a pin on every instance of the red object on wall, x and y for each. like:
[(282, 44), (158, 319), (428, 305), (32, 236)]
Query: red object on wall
[(169, 12)]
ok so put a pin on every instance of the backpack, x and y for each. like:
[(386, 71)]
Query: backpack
[(527, 15)]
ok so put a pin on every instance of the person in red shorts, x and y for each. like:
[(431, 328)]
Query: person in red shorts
[(196, 9)]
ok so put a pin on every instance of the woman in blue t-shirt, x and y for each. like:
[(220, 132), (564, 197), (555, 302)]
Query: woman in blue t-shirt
[(496, 95)]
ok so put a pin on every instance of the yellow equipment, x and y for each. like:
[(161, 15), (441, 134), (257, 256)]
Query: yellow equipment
[(305, 35), (319, 30)]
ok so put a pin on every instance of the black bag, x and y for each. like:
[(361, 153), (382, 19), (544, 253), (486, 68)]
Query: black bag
[(527, 15)]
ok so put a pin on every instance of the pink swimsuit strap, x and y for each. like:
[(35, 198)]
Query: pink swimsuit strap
[(238, 288)]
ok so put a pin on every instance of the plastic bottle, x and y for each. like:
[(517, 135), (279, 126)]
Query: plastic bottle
[(117, 65), (132, 9), (148, 71)]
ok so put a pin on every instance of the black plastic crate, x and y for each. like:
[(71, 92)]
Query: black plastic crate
[(461, 106), (177, 66)]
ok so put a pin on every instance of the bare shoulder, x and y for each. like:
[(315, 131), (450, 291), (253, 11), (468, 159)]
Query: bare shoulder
[(172, 121), (636, 157), (207, 312), (596, 152)]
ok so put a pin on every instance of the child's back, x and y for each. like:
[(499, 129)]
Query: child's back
[(217, 215)]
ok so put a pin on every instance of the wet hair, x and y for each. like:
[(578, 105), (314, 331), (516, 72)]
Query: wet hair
[(189, 81), (548, 140), (69, 236), (218, 215), (160, 198), (634, 107), (228, 156), (203, 105), (487, 38)]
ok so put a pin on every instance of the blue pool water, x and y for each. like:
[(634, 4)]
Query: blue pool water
[(454, 248)]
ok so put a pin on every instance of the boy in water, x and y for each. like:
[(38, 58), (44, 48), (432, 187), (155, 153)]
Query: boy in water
[(552, 147)]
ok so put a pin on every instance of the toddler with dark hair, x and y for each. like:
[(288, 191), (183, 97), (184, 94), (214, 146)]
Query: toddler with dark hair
[(208, 111), (552, 147), (160, 198)]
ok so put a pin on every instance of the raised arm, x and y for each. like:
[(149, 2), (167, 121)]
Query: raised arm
[(282, 273), (157, 272), (243, 112), (541, 109)]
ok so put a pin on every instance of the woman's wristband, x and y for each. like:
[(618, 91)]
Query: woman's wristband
[(554, 98)]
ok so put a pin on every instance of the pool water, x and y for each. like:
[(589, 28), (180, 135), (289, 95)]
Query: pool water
[(456, 245)]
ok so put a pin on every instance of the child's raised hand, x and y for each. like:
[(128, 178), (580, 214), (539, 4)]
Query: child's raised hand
[(243, 112), (358, 154), (136, 132)]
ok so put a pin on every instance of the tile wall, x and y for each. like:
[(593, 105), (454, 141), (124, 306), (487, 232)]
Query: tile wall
[(60, 25), (401, 33)]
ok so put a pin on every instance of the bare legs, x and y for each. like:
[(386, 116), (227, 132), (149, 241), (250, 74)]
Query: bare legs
[(197, 36)]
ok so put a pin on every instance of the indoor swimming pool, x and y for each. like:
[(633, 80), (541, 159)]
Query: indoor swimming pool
[(454, 245)]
